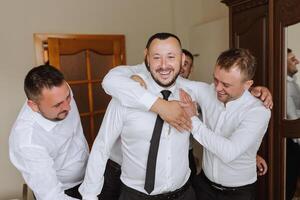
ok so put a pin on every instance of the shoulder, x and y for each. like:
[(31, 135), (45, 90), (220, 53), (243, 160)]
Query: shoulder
[(194, 85), (21, 133), (255, 106), (24, 127)]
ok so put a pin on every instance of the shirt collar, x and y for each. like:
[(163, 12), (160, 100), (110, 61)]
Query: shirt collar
[(44, 123), (289, 78), (157, 88), (236, 102)]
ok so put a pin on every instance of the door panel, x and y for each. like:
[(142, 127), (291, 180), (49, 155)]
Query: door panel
[(84, 61)]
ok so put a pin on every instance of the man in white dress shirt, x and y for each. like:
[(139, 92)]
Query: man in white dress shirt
[(47, 144), (232, 129), (135, 127), (293, 112)]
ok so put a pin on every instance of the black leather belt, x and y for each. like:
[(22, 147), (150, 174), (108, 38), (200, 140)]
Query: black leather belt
[(169, 195), (222, 188)]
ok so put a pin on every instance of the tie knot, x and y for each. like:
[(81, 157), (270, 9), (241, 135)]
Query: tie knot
[(166, 94)]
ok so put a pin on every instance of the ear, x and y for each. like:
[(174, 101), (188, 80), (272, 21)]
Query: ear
[(248, 84), (182, 59), (145, 52), (33, 105)]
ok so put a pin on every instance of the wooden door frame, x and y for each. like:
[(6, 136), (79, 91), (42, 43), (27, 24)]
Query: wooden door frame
[(40, 39)]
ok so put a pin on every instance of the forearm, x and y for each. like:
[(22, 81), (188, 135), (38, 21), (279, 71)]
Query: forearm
[(37, 170), (231, 147), (109, 132), (118, 84)]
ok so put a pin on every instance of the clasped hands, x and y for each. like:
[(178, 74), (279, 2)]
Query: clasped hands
[(177, 113)]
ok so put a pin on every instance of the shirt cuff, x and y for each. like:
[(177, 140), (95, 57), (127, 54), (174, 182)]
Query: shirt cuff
[(90, 198), (148, 100), (196, 122)]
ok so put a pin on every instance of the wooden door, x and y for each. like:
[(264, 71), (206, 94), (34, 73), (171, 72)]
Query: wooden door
[(84, 61), (249, 28)]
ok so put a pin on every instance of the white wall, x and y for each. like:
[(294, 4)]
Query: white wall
[(293, 33), (209, 40), (137, 19), (203, 28)]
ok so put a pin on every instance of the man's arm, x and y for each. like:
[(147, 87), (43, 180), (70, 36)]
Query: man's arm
[(39, 173), (261, 165), (108, 134), (250, 131), (263, 94), (118, 83)]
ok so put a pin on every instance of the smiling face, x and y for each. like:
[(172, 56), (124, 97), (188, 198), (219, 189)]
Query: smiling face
[(186, 68), (292, 63), (53, 104), (230, 84), (164, 58)]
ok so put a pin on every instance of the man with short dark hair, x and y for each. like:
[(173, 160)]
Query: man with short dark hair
[(293, 112), (186, 68), (47, 144)]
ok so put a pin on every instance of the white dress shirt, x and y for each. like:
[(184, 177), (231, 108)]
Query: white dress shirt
[(135, 128), (293, 99), (229, 159), (293, 102), (51, 156), (231, 136)]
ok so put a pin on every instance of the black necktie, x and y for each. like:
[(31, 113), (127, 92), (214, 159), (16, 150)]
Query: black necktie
[(154, 143)]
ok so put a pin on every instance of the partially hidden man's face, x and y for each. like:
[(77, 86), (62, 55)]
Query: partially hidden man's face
[(186, 68), (53, 104), (292, 63), (230, 85), (164, 58)]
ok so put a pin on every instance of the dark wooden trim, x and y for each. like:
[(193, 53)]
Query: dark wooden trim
[(289, 11), (270, 83), (241, 5)]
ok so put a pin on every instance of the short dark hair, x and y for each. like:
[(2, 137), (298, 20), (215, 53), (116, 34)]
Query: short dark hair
[(161, 36), (189, 54), (242, 58), (38, 78), (289, 50)]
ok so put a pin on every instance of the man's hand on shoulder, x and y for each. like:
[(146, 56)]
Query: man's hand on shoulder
[(140, 80), (263, 94)]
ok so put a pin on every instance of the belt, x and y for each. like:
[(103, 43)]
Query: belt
[(222, 188), (169, 195)]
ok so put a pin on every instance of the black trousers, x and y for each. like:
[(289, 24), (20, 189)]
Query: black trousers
[(112, 184), (131, 194), (205, 191), (192, 165), (292, 167)]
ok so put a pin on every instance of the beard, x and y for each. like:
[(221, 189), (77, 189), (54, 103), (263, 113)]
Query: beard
[(165, 85), (56, 119)]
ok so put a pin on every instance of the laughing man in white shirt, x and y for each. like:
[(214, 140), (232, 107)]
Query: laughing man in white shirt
[(232, 129)]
